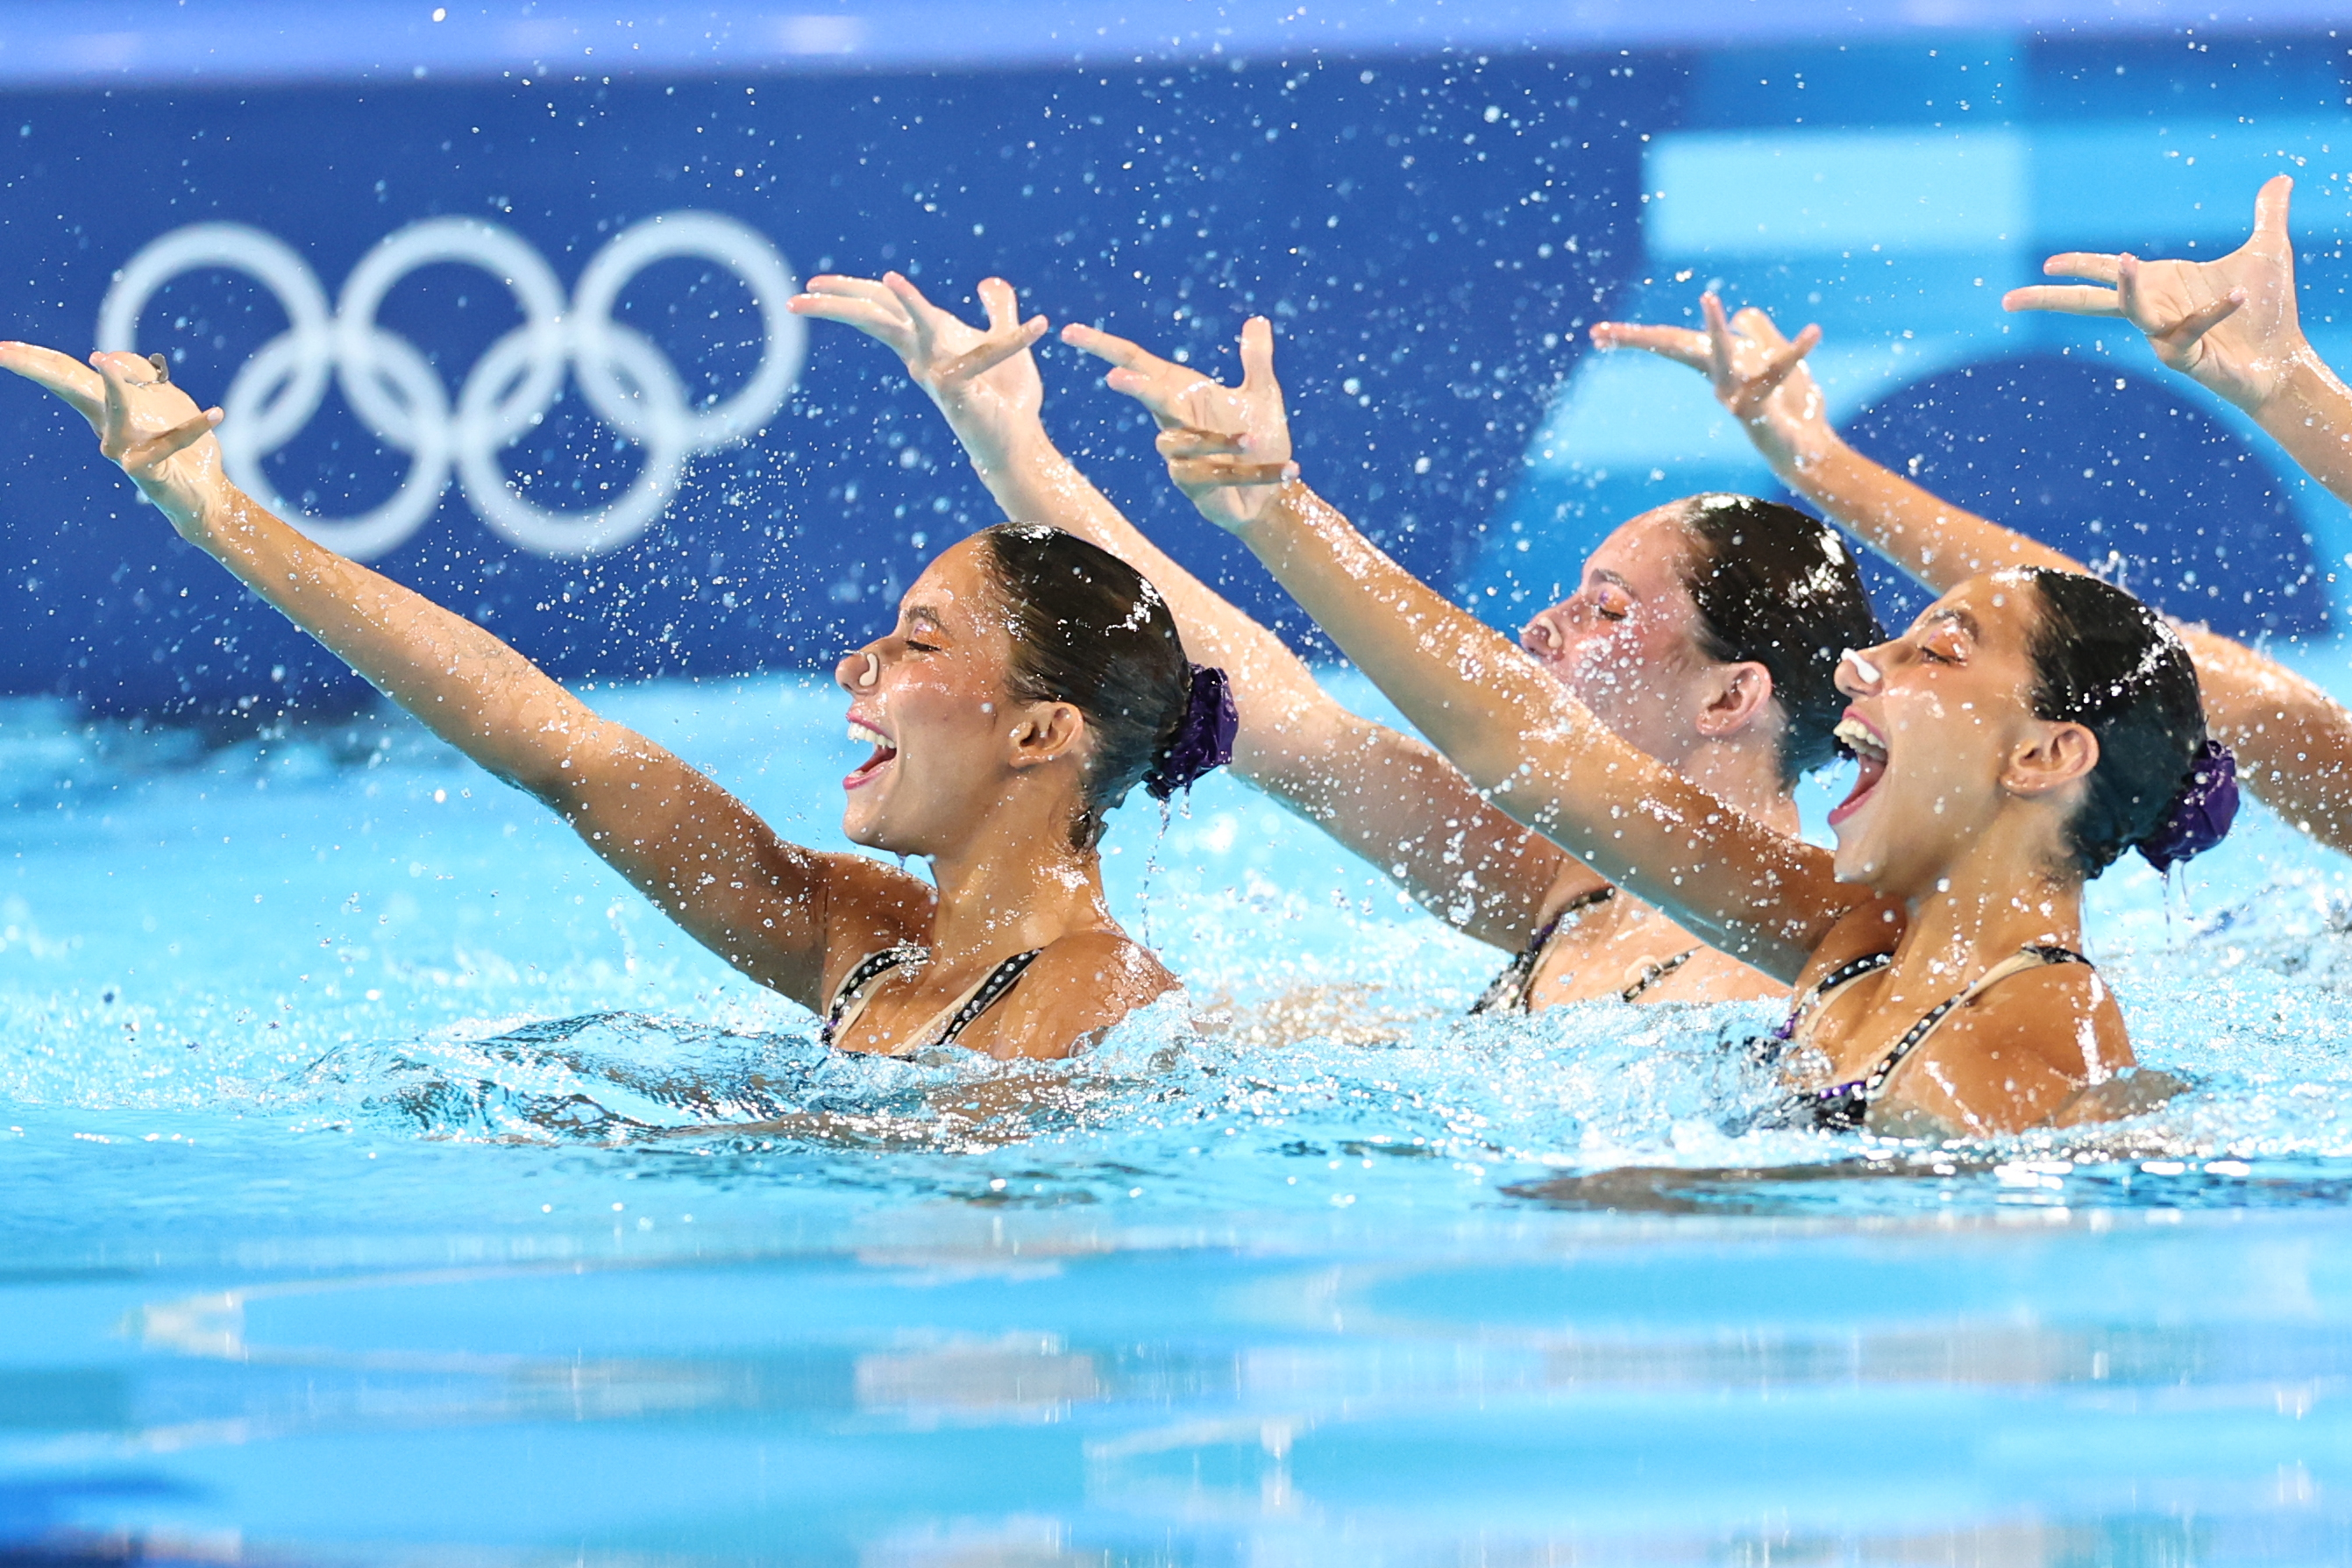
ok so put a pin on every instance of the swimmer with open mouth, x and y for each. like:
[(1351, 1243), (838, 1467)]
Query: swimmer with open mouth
[(1706, 632), (2027, 729), (1032, 680)]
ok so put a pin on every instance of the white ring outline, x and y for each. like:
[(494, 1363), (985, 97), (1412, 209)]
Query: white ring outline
[(393, 391)]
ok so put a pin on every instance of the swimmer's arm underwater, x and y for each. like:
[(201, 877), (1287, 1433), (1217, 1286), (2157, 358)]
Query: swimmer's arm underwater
[(1518, 735), (1388, 797), (2293, 741), (773, 910)]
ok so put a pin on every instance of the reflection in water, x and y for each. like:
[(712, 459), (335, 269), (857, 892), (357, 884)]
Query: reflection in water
[(528, 1244), (1298, 1408)]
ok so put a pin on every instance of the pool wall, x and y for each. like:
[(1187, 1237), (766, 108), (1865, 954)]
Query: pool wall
[(656, 474)]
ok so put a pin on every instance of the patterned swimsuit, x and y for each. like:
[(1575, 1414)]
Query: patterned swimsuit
[(849, 998)]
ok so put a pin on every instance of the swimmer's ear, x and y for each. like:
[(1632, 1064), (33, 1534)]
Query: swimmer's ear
[(1045, 732), (2056, 755), (1742, 694)]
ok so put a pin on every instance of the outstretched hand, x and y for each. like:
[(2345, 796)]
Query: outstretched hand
[(151, 428), (985, 380), (2229, 324), (1227, 448), (1757, 373)]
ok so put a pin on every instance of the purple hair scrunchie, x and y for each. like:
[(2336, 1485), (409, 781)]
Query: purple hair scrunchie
[(1203, 740), (2201, 815)]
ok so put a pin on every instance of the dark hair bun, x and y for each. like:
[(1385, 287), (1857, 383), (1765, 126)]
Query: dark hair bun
[(1203, 740), (2201, 813)]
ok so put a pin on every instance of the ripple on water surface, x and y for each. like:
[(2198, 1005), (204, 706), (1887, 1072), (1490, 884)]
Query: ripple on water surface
[(355, 1117)]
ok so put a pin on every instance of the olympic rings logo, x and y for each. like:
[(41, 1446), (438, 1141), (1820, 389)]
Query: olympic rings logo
[(397, 394)]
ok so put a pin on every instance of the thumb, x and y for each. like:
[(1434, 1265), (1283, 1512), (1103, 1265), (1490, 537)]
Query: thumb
[(1756, 324), (2271, 205), (1258, 356), (999, 303)]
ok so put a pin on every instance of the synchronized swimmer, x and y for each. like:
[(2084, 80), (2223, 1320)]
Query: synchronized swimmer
[(1708, 632), (1609, 799), (1031, 682)]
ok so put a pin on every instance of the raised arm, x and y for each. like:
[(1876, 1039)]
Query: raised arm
[(786, 916), (1518, 735), (1761, 379), (1388, 797), (2230, 325), (2294, 742)]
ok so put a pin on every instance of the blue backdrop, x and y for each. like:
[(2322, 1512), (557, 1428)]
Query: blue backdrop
[(1430, 235)]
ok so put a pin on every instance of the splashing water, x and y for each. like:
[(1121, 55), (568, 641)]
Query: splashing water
[(330, 1060), (395, 948)]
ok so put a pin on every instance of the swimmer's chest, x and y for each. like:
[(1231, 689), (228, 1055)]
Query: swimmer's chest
[(1624, 944), (1860, 1024), (906, 1009)]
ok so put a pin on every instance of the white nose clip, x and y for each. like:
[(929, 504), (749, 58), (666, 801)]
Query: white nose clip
[(874, 670), (1863, 667)]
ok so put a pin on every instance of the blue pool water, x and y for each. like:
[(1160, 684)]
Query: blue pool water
[(342, 1220)]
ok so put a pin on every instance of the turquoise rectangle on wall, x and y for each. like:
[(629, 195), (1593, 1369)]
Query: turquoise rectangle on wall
[(1735, 194)]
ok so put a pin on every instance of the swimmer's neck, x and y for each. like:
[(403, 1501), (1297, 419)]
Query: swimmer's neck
[(1745, 777), (1999, 896), (1013, 891)]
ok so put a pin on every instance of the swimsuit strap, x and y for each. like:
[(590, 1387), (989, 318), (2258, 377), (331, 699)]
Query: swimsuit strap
[(1511, 991), (1853, 969), (1844, 1106), (849, 1001), (849, 996), (984, 996), (1656, 970), (2017, 963)]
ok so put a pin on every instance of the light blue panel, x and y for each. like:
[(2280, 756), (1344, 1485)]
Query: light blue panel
[(1857, 300), (2118, 185), (1733, 195), (2098, 185), (1899, 243)]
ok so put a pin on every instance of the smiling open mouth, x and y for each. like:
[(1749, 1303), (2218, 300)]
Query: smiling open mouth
[(1868, 748), (885, 753)]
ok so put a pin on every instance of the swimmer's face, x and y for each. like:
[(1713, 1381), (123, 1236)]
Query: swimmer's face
[(1626, 642), (1941, 722), (930, 698)]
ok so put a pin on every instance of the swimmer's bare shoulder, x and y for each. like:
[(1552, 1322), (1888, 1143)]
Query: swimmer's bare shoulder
[(1077, 990), (2017, 1057)]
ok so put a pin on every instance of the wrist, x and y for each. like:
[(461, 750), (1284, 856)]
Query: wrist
[(995, 442), (1292, 505), (2304, 387), (201, 516)]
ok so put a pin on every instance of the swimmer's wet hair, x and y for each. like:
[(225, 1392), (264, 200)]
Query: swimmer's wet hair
[(1776, 588), (2103, 660), (1090, 631)]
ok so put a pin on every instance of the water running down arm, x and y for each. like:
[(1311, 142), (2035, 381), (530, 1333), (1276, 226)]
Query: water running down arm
[(2294, 742), (771, 909), (1388, 797), (1518, 735)]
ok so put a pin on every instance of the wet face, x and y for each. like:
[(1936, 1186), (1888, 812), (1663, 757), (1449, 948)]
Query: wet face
[(1626, 642), (929, 699), (1937, 721)]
